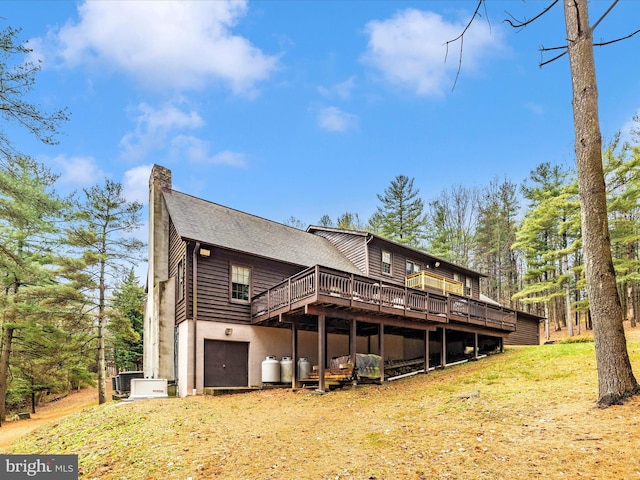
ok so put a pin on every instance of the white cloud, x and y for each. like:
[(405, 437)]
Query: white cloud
[(135, 184), (335, 120), (535, 108), (196, 150), (153, 126), (409, 49), (78, 172), (164, 43), (630, 131), (341, 90)]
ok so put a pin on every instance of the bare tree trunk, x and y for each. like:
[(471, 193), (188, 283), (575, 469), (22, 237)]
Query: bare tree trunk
[(615, 376), (102, 381), (5, 348), (631, 314), (567, 296), (547, 333)]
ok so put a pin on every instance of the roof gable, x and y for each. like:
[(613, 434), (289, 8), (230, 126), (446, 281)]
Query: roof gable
[(419, 255), (200, 220)]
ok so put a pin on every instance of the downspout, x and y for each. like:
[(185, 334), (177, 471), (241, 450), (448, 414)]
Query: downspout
[(366, 252), (194, 266)]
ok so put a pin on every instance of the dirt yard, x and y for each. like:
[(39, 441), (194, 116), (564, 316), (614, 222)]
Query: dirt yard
[(528, 413), (76, 401)]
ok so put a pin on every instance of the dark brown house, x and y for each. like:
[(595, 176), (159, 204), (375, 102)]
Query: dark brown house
[(226, 289)]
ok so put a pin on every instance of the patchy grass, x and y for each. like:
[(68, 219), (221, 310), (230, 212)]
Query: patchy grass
[(578, 339), (528, 413)]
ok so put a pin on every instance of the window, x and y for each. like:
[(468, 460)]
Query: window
[(180, 280), (240, 283), (468, 285), (386, 262), (412, 267)]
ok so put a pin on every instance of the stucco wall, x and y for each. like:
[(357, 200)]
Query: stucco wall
[(264, 341)]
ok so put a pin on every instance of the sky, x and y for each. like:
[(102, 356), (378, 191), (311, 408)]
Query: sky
[(304, 108)]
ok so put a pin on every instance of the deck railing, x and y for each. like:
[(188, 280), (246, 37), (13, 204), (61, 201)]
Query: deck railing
[(344, 289), (423, 279)]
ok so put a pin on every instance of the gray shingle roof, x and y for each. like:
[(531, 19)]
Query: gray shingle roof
[(216, 225)]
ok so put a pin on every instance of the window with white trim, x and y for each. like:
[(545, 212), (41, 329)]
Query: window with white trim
[(386, 262), (240, 283)]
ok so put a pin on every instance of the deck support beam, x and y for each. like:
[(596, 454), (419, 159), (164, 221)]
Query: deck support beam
[(475, 346), (443, 350), (352, 342), (426, 351), (381, 350), (322, 351), (294, 354)]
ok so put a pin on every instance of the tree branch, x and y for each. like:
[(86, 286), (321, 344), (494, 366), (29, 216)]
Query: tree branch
[(598, 44), (604, 15), (609, 42), (461, 38), (522, 24)]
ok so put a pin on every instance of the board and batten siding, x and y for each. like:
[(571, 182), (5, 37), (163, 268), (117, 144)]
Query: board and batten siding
[(214, 281), (352, 246)]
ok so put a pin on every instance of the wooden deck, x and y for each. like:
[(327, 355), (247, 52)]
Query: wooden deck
[(333, 288)]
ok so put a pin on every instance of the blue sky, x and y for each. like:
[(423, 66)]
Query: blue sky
[(304, 108)]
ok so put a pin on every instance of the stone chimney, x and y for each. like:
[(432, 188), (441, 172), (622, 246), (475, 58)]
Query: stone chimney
[(159, 309)]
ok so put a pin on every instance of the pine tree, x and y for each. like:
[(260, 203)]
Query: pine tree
[(350, 221), (125, 323), (546, 237), (101, 230), (400, 217), (17, 80), (33, 296), (622, 171)]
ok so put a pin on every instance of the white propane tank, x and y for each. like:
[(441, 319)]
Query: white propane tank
[(286, 370), (304, 367), (270, 370)]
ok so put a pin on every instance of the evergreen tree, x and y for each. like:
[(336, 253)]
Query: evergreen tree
[(350, 221), (546, 237), (35, 298), (126, 323), (101, 230), (400, 217), (17, 80), (622, 171)]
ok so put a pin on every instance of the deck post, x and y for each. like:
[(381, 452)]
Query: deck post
[(475, 346), (322, 340), (294, 354), (426, 351), (352, 343), (381, 350), (443, 350)]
